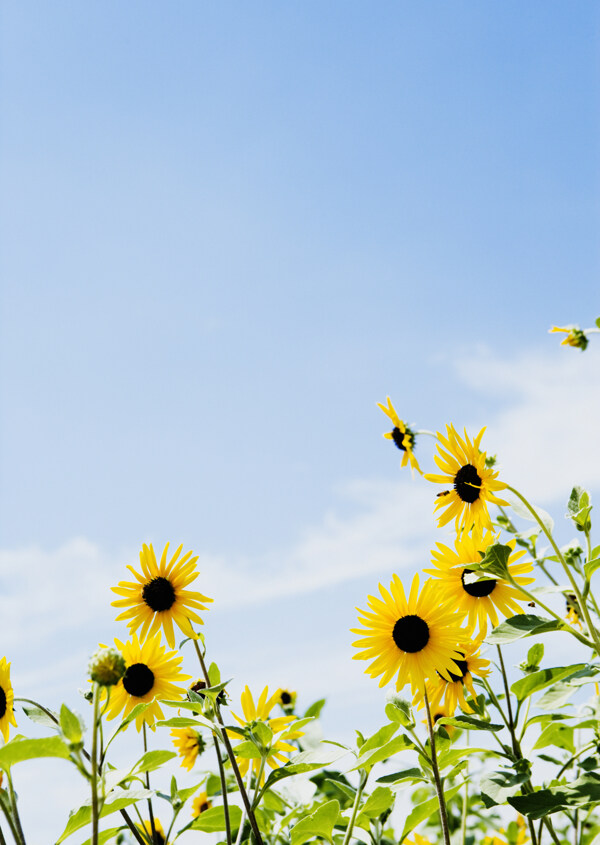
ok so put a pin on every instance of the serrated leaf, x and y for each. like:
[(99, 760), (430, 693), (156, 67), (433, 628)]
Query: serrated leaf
[(19, 750), (544, 678), (522, 625), (319, 823), (213, 819), (117, 800), (584, 790)]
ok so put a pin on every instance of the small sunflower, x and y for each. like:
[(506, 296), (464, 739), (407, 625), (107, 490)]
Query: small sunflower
[(200, 804), (473, 484), (152, 673), (287, 699), (260, 712), (7, 715), (573, 614), (146, 829), (412, 638), (575, 336), (478, 600), (444, 696), (401, 434), (158, 597), (189, 744)]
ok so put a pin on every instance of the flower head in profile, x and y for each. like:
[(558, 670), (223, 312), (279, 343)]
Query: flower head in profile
[(446, 695), (478, 600), (575, 336), (146, 831), (472, 484), (401, 435), (189, 744), (152, 673), (260, 712), (200, 804), (573, 614), (411, 638), (158, 597), (7, 715)]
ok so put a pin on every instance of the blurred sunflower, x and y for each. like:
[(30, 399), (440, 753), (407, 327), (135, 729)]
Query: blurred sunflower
[(146, 830), (189, 744), (575, 336), (412, 638), (259, 712), (7, 715), (287, 699), (200, 804), (444, 696), (158, 597), (401, 434), (152, 673), (473, 484), (478, 600)]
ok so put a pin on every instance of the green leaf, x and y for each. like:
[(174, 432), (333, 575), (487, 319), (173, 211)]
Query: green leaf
[(263, 733), (368, 759), (137, 711), (105, 836), (378, 802), (398, 710), (584, 790), (214, 675), (556, 734), (426, 809), (379, 738), (412, 774), (180, 722), (213, 819), (307, 761), (598, 322), (535, 654), (40, 717), (71, 725), (247, 750), (579, 508), (315, 709), (320, 823), (497, 787), (195, 707), (544, 678), (590, 567), (522, 625), (469, 723), (117, 800), (556, 696), (521, 510), (495, 560), (19, 750), (152, 760)]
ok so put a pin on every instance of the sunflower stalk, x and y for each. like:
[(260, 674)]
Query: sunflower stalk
[(95, 718), (150, 809), (15, 811), (230, 754), (7, 810), (436, 774), (364, 776), (223, 792)]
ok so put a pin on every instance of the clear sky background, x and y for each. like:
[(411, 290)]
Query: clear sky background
[(229, 229)]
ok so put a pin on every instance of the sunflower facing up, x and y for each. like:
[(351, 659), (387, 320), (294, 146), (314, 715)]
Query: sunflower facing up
[(158, 597), (152, 673), (189, 744), (413, 638), (260, 712), (402, 435), (7, 715), (478, 600), (445, 696), (473, 484)]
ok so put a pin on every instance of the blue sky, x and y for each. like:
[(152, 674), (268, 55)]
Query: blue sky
[(229, 230)]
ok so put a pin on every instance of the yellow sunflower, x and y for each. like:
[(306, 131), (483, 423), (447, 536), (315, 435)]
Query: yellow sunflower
[(152, 673), (189, 744), (575, 336), (286, 699), (158, 597), (412, 638), (473, 485), (418, 840), (200, 804), (146, 830), (401, 434), (478, 600), (260, 712), (444, 696), (7, 714)]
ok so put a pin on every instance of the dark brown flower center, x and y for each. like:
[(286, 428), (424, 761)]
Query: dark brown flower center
[(479, 589), (411, 633), (401, 438), (138, 679), (2, 703), (286, 698), (159, 594), (467, 484)]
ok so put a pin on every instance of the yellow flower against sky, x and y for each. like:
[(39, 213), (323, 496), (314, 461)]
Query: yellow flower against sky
[(7, 715), (401, 435)]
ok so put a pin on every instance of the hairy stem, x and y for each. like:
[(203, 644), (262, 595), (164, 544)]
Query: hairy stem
[(436, 775)]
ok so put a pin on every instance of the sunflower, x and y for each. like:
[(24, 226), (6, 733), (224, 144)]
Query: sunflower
[(158, 596), (146, 830), (473, 483), (402, 435), (260, 712), (286, 699), (575, 336), (189, 744), (518, 835), (152, 672), (418, 840), (7, 714), (444, 696), (478, 600), (413, 639), (200, 804)]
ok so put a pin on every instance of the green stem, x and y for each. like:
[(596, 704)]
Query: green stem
[(2, 839), (511, 721), (223, 791), (572, 759), (95, 700), (15, 811), (230, 754), (6, 809), (243, 819), (465, 806), (436, 775), (584, 609), (150, 810), (364, 775)]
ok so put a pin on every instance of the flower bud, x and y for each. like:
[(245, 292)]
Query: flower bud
[(106, 666)]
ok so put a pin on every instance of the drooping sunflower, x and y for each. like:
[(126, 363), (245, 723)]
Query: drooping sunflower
[(445, 696), (412, 638), (260, 712), (158, 597), (200, 804), (189, 744), (152, 673), (146, 831), (401, 434), (479, 600), (7, 715), (575, 336), (472, 484)]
